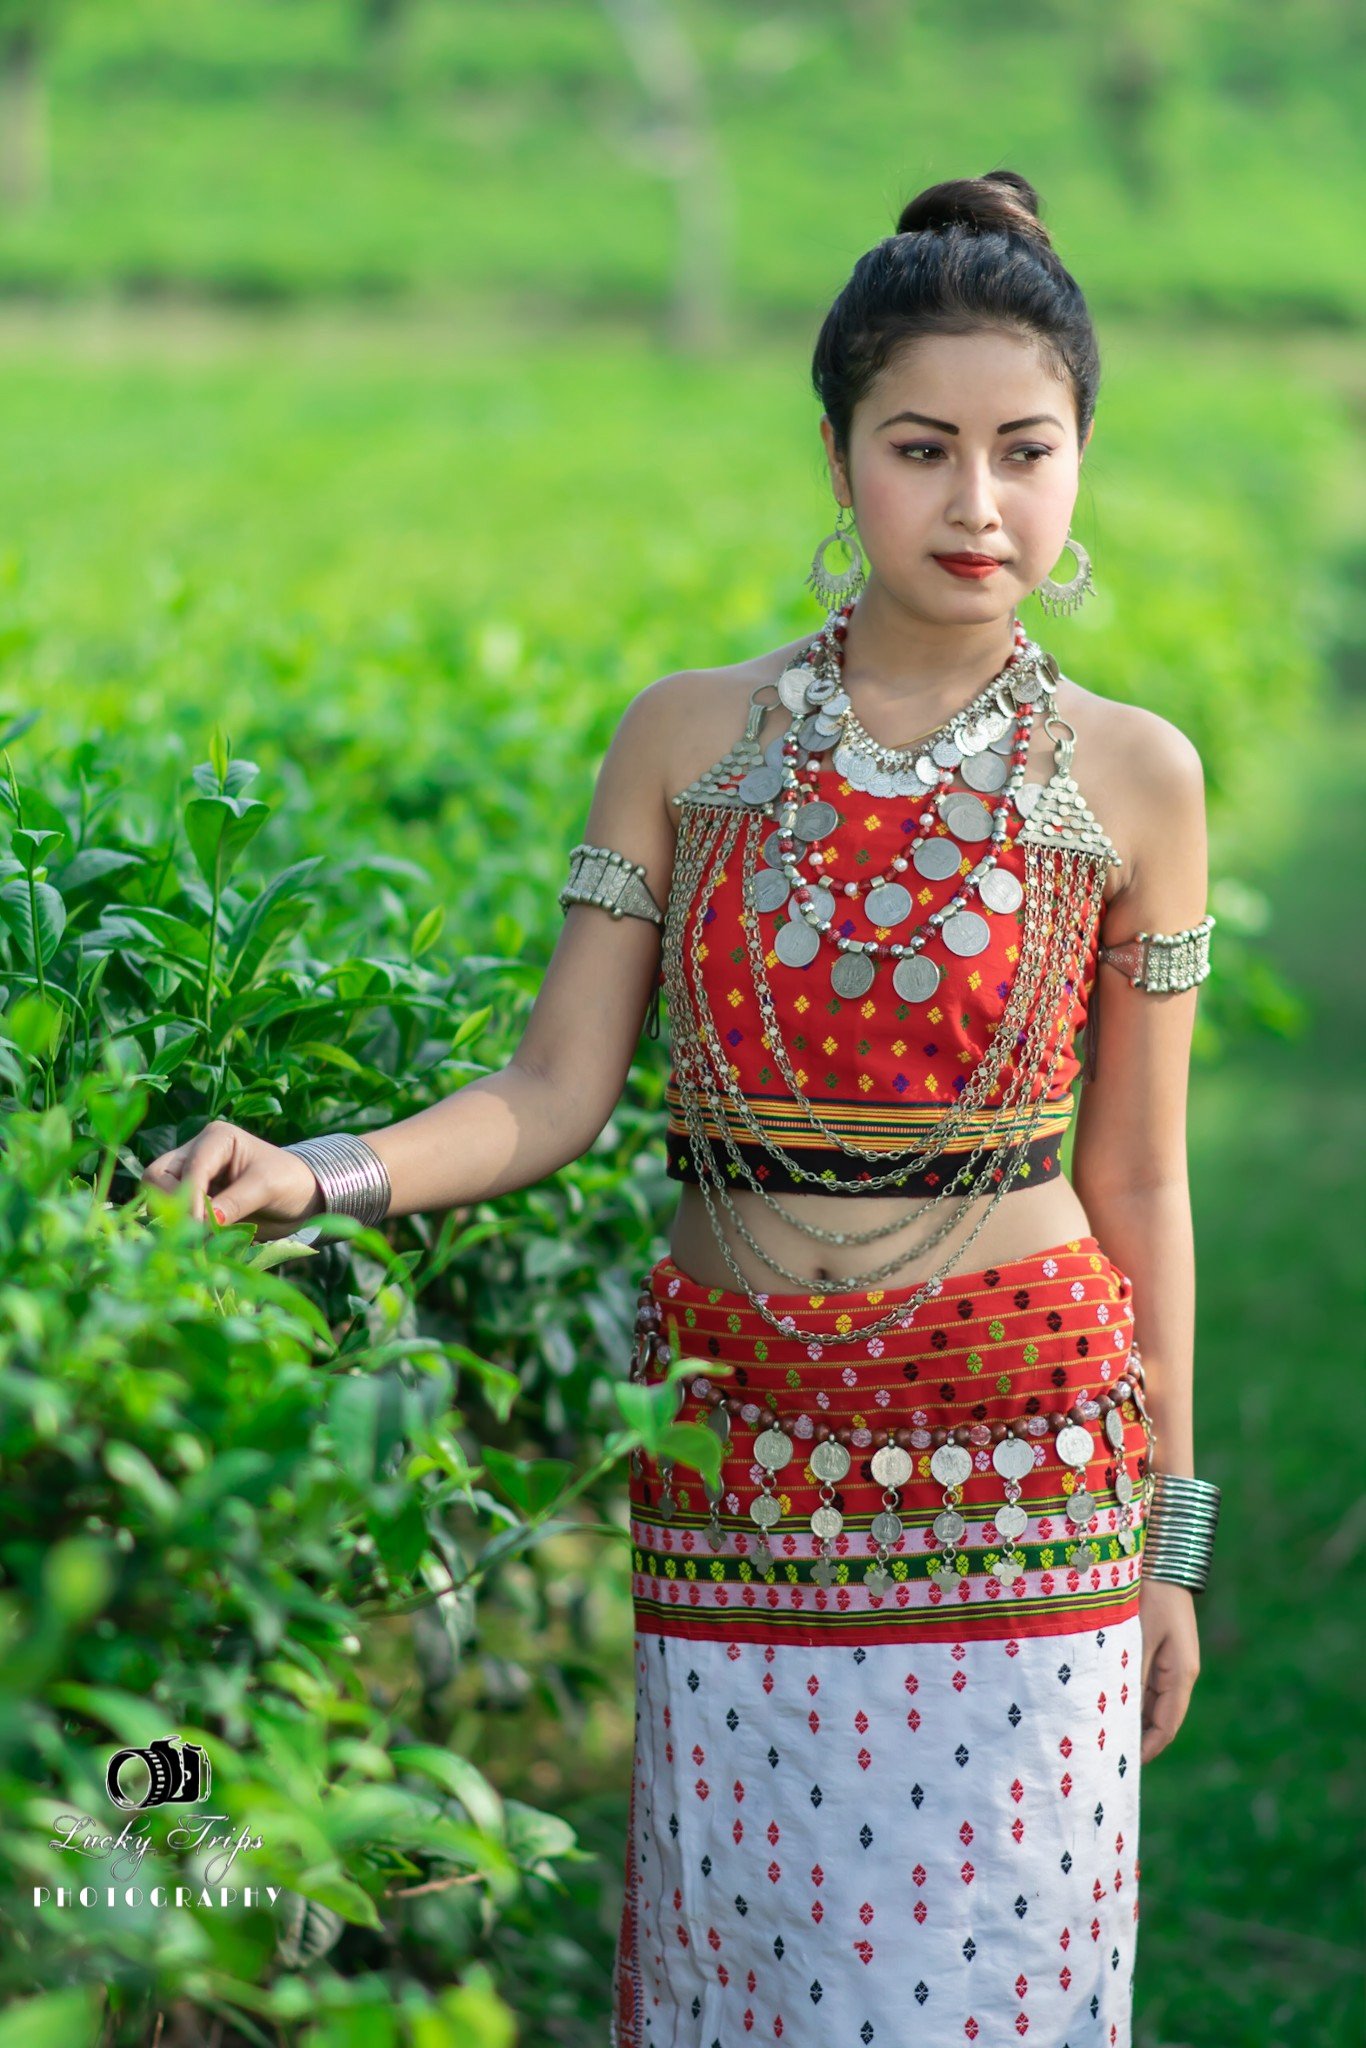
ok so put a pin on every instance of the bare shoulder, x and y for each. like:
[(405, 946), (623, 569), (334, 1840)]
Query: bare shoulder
[(698, 714), (1142, 777)]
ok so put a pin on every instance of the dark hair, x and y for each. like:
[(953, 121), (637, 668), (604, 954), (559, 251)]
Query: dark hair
[(967, 254)]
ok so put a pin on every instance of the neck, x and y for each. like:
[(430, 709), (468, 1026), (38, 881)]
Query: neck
[(926, 667)]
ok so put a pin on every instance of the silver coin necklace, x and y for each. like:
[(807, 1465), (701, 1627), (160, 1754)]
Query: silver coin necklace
[(985, 743)]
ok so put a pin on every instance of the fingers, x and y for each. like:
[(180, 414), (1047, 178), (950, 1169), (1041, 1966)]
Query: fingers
[(194, 1165), (1166, 1697)]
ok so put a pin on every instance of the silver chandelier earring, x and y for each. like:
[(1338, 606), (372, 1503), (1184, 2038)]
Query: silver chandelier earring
[(834, 589), (1065, 597)]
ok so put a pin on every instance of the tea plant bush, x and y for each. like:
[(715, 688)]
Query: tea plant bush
[(223, 1464)]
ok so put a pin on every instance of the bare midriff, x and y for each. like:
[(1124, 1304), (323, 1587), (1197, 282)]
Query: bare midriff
[(1025, 1220)]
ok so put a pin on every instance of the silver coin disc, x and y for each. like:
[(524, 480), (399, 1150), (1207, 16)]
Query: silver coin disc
[(950, 1464), (773, 752), (760, 785), (949, 1526), (718, 1422), (888, 905), (946, 753), (965, 933), (1124, 1487), (1012, 1457), (765, 1510), (835, 705), (1081, 1507), (1074, 1445), (1000, 890), (1026, 796), (915, 978), (793, 684), (853, 974), (795, 944), (818, 909), (967, 817), (908, 784), (820, 689), (971, 738), (986, 771), (826, 1522), (810, 736), (886, 1527), (830, 1460), (814, 820), (1011, 1522), (771, 889), (937, 859), (1005, 742), (924, 768), (774, 1448), (891, 1465), (1114, 1428), (771, 851), (842, 760)]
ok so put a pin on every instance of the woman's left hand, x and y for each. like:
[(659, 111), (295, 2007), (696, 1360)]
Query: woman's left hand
[(1171, 1660)]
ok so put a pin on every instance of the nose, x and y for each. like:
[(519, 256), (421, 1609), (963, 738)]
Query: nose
[(973, 502)]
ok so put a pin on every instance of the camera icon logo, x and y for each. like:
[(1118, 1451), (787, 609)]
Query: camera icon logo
[(176, 1775)]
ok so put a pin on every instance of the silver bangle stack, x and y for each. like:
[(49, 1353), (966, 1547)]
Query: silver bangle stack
[(1182, 1514), (350, 1173)]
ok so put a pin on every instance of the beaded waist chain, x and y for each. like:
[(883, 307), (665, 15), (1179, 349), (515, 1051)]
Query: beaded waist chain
[(1083, 1427)]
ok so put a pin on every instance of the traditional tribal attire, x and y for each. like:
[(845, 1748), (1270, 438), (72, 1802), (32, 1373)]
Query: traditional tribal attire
[(886, 1775)]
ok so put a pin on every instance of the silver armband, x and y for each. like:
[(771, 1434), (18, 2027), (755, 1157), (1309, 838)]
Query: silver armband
[(1162, 961), (599, 875), (1182, 1516), (352, 1176)]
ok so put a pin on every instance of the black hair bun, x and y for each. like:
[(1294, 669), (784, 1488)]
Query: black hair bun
[(999, 200)]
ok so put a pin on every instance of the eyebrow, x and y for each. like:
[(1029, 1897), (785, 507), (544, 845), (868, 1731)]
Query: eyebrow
[(947, 426)]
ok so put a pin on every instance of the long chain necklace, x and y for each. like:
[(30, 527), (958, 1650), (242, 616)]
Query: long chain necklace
[(1061, 897)]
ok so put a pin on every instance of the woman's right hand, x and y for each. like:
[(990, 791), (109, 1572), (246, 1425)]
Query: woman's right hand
[(243, 1176)]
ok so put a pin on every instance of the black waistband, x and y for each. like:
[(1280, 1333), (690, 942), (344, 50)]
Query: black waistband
[(1042, 1161)]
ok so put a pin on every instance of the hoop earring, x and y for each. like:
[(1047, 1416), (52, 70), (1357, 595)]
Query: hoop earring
[(1065, 597), (830, 588)]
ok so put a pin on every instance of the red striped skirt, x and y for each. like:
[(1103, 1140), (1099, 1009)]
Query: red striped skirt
[(859, 1811)]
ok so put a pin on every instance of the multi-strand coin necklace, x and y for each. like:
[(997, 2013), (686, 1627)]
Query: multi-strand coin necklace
[(1066, 856)]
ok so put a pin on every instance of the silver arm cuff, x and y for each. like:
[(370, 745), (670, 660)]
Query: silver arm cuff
[(350, 1173), (1182, 1516), (1162, 961), (599, 875)]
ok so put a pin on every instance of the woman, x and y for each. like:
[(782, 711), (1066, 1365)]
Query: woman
[(897, 1673)]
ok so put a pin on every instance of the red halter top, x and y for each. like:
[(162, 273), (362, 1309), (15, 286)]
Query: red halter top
[(879, 1071)]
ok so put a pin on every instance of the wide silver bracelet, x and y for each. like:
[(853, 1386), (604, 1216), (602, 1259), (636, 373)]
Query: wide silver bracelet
[(1179, 1536), (350, 1174), (1162, 961), (598, 874)]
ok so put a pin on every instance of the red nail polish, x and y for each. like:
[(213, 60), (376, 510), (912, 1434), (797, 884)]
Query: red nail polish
[(218, 1213)]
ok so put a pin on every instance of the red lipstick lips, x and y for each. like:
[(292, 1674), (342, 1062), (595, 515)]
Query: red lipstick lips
[(968, 565)]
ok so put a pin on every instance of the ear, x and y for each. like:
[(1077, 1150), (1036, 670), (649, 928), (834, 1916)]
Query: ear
[(839, 480)]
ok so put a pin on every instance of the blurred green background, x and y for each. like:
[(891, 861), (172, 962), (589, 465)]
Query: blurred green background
[(405, 383)]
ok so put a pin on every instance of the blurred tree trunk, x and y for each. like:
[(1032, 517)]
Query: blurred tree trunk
[(25, 158), (678, 142)]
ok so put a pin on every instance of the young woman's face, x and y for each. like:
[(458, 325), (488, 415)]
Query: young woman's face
[(950, 481)]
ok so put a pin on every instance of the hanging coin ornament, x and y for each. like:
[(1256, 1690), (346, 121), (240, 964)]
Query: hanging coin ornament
[(915, 978), (771, 890), (985, 772), (852, 975), (760, 785), (1074, 1445), (937, 859), (821, 905), (793, 685), (814, 821), (966, 816), (950, 1465), (1001, 891), (965, 933), (796, 945), (889, 905), (1026, 796)]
